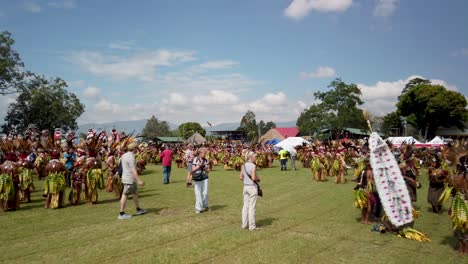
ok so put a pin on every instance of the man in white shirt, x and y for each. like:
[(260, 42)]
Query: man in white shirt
[(130, 179)]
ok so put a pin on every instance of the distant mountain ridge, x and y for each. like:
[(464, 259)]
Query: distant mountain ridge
[(234, 126), (136, 126)]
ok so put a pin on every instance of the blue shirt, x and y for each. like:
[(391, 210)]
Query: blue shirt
[(70, 160)]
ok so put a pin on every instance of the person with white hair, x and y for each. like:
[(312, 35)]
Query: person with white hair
[(130, 179), (250, 178), (200, 170)]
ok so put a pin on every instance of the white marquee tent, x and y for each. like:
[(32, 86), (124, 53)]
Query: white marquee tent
[(436, 141), (291, 142), (403, 140)]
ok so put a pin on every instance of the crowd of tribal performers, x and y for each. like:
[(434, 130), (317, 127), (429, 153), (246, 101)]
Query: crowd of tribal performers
[(83, 166), (89, 165)]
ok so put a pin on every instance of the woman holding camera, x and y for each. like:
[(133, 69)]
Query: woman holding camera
[(200, 170), (249, 176)]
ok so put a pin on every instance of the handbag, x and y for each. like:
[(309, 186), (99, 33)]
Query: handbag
[(259, 190)]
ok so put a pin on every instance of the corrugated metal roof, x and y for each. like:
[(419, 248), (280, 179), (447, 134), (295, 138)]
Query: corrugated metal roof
[(169, 139)]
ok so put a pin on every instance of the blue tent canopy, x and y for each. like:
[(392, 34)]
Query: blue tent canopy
[(273, 141)]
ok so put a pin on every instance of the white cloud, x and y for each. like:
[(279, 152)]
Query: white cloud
[(65, 4), (106, 106), (216, 97), (321, 72), (122, 45), (445, 84), (214, 106), (269, 103), (381, 98), (76, 83), (196, 83), (385, 8), (460, 53), (140, 66), (5, 101), (301, 8), (32, 7), (91, 92), (175, 99), (223, 64)]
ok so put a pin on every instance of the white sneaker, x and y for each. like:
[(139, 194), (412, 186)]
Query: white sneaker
[(141, 211), (124, 217)]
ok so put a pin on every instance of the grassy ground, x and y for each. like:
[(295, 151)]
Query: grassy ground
[(301, 221)]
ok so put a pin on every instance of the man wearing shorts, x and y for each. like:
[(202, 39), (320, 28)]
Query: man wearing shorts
[(130, 179)]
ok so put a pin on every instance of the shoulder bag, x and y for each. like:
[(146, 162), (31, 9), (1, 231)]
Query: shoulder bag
[(259, 190)]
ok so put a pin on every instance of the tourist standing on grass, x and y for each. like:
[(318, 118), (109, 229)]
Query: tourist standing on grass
[(200, 170), (250, 178), (293, 155), (130, 179), (166, 160), (283, 155), (189, 153)]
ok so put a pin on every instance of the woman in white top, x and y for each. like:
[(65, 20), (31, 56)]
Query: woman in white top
[(200, 170), (250, 190)]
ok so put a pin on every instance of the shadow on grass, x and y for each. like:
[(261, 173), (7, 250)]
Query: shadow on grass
[(147, 195), (217, 207), (172, 182), (155, 210), (450, 241), (32, 205), (266, 221)]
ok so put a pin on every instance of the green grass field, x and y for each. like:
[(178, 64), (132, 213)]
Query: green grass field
[(301, 221)]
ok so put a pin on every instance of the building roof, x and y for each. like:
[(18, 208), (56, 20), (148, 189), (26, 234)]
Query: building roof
[(357, 131), (270, 135), (288, 131), (196, 138), (279, 133), (169, 139), (447, 132)]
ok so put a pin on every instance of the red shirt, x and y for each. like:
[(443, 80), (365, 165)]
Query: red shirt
[(166, 157)]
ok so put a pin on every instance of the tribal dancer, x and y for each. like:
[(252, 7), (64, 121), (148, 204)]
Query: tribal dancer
[(55, 183), (437, 177), (78, 177), (457, 155), (340, 171), (9, 180), (94, 177), (26, 170), (364, 198)]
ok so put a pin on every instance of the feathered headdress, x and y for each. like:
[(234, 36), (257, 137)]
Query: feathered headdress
[(128, 143), (455, 152), (94, 144), (7, 146)]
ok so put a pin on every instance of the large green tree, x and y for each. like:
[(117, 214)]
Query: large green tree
[(314, 119), (186, 130), (265, 127), (45, 103), (248, 124), (392, 125), (338, 108), (11, 67), (414, 82), (155, 128), (428, 107)]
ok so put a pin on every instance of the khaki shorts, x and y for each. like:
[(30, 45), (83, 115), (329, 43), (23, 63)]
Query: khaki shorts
[(130, 188)]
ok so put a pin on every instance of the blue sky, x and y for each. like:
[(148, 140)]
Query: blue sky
[(212, 60)]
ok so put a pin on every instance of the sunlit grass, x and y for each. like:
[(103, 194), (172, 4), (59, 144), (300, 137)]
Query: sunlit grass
[(301, 221)]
